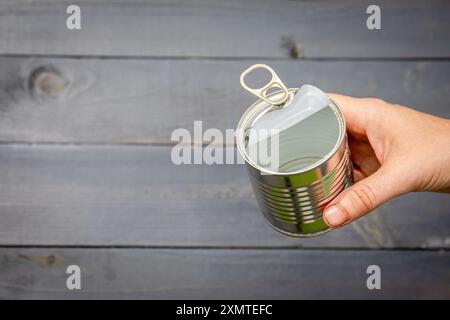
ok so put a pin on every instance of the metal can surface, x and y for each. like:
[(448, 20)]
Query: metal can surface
[(314, 167)]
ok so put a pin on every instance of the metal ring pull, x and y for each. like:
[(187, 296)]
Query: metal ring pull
[(262, 92)]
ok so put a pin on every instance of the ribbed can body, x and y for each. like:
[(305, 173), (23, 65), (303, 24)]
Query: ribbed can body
[(293, 203)]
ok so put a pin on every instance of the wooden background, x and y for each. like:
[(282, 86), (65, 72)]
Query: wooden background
[(85, 171)]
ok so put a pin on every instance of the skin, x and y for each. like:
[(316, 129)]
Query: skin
[(395, 150)]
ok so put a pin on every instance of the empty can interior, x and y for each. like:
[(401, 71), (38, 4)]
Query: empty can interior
[(301, 146)]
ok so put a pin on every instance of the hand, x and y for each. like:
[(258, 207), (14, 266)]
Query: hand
[(395, 150)]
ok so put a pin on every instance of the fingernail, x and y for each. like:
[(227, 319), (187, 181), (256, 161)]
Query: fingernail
[(334, 217)]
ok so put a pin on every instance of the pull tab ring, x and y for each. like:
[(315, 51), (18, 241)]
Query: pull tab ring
[(262, 92)]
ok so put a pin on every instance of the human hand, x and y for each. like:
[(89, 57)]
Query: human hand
[(395, 150)]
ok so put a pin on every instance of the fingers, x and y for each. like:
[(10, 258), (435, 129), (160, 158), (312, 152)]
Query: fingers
[(365, 119), (363, 156), (361, 198), (358, 112), (358, 175)]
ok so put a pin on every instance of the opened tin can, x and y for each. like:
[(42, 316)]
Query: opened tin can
[(306, 160)]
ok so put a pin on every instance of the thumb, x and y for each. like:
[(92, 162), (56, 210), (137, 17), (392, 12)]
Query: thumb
[(361, 198)]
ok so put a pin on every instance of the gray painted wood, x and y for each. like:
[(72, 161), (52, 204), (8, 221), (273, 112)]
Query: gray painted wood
[(222, 274), (143, 101), (134, 195), (205, 28)]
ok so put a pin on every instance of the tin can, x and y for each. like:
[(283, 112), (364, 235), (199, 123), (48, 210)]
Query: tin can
[(313, 164)]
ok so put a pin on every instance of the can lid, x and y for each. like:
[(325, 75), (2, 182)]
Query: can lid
[(289, 129)]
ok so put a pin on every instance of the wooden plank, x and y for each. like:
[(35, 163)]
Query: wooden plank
[(143, 101), (135, 196), (205, 28), (222, 274)]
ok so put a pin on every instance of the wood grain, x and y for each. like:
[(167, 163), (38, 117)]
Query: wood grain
[(135, 196), (143, 101), (222, 274), (205, 28), (85, 170)]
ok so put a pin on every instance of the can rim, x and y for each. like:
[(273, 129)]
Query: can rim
[(259, 106)]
